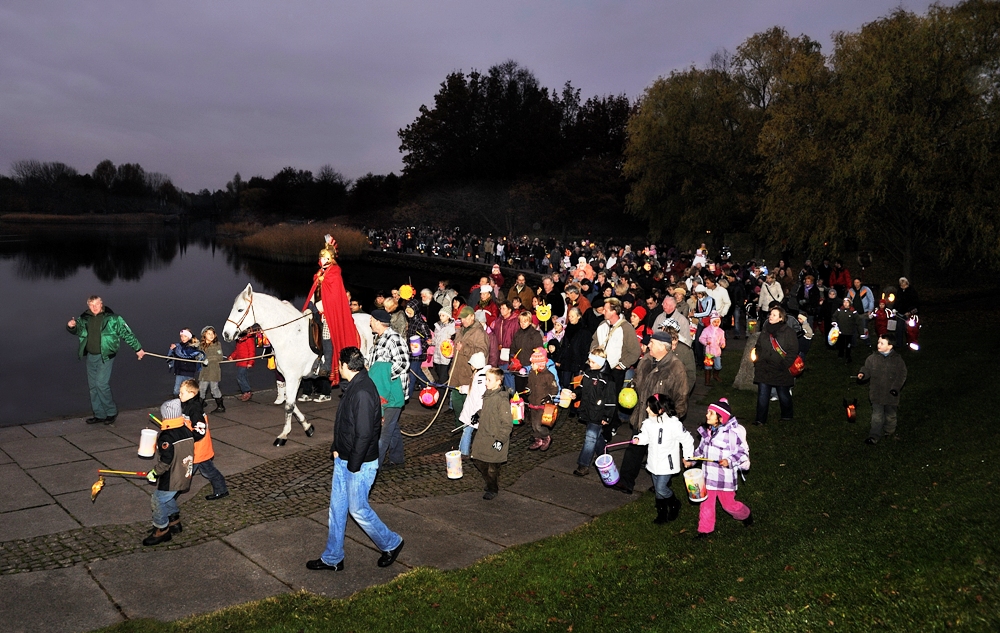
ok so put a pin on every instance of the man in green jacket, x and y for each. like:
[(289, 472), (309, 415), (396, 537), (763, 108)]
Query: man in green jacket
[(99, 330)]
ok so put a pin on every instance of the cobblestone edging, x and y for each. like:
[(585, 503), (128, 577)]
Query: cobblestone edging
[(296, 485)]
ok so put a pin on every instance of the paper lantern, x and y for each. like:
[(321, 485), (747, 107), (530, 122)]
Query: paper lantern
[(913, 332), (851, 409), (447, 348), (628, 398), (406, 292), (834, 334), (543, 312), (429, 396)]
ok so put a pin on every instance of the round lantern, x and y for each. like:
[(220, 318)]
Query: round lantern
[(447, 348), (406, 292), (628, 398), (429, 396), (543, 312)]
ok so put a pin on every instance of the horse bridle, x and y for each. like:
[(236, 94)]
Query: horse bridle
[(250, 309)]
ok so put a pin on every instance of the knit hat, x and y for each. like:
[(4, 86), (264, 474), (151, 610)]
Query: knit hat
[(170, 409), (700, 288), (640, 312), (478, 360), (466, 311), (485, 289), (722, 409), (381, 316), (539, 358), (582, 261), (444, 312), (714, 315)]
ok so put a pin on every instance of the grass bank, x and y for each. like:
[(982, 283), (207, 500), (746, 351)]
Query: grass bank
[(896, 537), (110, 218), (293, 243)]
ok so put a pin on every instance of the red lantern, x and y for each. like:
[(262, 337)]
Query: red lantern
[(429, 396), (852, 410), (913, 332)]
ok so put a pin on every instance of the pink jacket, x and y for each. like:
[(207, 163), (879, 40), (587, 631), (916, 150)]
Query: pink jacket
[(714, 339)]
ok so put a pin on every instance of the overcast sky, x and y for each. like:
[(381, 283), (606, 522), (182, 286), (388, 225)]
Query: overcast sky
[(201, 90)]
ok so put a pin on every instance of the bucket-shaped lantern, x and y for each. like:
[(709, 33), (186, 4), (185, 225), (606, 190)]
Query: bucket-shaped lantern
[(606, 467), (429, 396), (516, 409), (416, 349), (627, 398), (694, 481), (147, 443), (453, 462), (751, 326), (565, 398), (549, 415)]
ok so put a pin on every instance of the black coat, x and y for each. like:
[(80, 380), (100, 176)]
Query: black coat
[(574, 349), (771, 368), (597, 396), (359, 423)]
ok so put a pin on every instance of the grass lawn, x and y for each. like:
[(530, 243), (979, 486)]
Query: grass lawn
[(897, 537)]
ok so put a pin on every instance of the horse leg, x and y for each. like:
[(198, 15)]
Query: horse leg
[(292, 386), (310, 429)]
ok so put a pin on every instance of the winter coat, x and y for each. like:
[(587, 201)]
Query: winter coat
[(714, 339), (809, 299), (471, 339), (686, 355), (668, 443), (771, 368), (113, 329), (390, 390), (359, 423), (246, 347), (442, 333), (492, 438), (192, 355), (769, 292), (596, 395), (501, 337), (666, 376), (887, 374), (474, 399), (523, 343), (721, 442), (175, 448), (867, 299), (619, 343), (575, 347), (525, 293), (847, 321), (196, 420), (418, 327), (840, 278), (880, 319), (212, 372)]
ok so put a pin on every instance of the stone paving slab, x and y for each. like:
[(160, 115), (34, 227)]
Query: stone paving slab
[(283, 547), (35, 522), (323, 436), (129, 424), (13, 433), (256, 442), (252, 414), (19, 490), (43, 451), (430, 542), (210, 576), (55, 428), (231, 460), (72, 477), (99, 439), (5, 458), (126, 458), (116, 505), (55, 601), (510, 519), (586, 495)]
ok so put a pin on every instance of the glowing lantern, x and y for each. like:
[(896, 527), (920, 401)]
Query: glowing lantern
[(834, 334), (429, 396), (447, 348), (852, 410), (516, 409), (753, 355), (913, 332), (627, 398), (709, 361), (406, 292), (543, 312)]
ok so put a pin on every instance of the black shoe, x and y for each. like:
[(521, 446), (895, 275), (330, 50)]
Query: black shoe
[(701, 535), (581, 471), (111, 419), (871, 441), (318, 565), (620, 487), (489, 495), (748, 522), (94, 420), (758, 423), (216, 495), (388, 558), (156, 537)]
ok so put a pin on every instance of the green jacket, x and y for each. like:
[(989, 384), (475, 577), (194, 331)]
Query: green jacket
[(391, 390), (114, 328)]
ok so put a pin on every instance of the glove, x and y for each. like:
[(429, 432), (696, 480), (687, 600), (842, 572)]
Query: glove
[(151, 476), (893, 393)]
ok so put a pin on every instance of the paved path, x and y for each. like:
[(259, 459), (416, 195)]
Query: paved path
[(67, 564)]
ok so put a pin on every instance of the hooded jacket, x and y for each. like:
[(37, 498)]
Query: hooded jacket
[(175, 447), (667, 442), (492, 439)]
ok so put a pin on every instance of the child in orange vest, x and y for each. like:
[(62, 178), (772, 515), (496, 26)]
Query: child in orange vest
[(196, 420)]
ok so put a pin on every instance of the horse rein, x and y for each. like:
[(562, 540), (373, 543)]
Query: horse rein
[(250, 309)]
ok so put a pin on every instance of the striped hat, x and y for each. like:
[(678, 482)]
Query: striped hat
[(722, 409)]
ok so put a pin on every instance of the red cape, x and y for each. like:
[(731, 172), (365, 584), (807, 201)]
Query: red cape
[(337, 313)]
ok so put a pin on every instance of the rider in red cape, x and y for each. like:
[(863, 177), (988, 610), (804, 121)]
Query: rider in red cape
[(330, 298)]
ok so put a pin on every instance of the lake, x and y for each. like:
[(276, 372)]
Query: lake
[(160, 279)]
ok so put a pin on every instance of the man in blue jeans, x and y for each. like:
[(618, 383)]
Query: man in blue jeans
[(355, 462)]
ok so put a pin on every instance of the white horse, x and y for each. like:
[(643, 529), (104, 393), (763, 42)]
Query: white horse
[(288, 331)]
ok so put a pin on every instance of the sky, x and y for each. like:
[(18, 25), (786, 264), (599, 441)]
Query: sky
[(201, 90)]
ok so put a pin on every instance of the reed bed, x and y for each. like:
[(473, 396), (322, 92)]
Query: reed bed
[(288, 243)]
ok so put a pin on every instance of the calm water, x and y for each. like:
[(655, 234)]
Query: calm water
[(159, 280)]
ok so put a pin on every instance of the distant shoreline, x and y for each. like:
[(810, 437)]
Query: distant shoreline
[(47, 219)]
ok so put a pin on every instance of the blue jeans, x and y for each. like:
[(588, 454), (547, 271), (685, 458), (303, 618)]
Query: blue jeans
[(349, 494), (416, 376), (465, 444), (661, 484), (99, 380), (211, 473), (243, 379), (178, 379), (593, 442), (764, 401), (390, 440), (163, 503)]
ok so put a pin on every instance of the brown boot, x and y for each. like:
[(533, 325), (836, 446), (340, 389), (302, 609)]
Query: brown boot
[(718, 375), (708, 377)]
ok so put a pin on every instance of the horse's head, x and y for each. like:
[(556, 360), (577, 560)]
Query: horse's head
[(239, 319)]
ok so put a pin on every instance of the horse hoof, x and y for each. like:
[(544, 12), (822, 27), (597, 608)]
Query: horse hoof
[(279, 442), (310, 431)]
